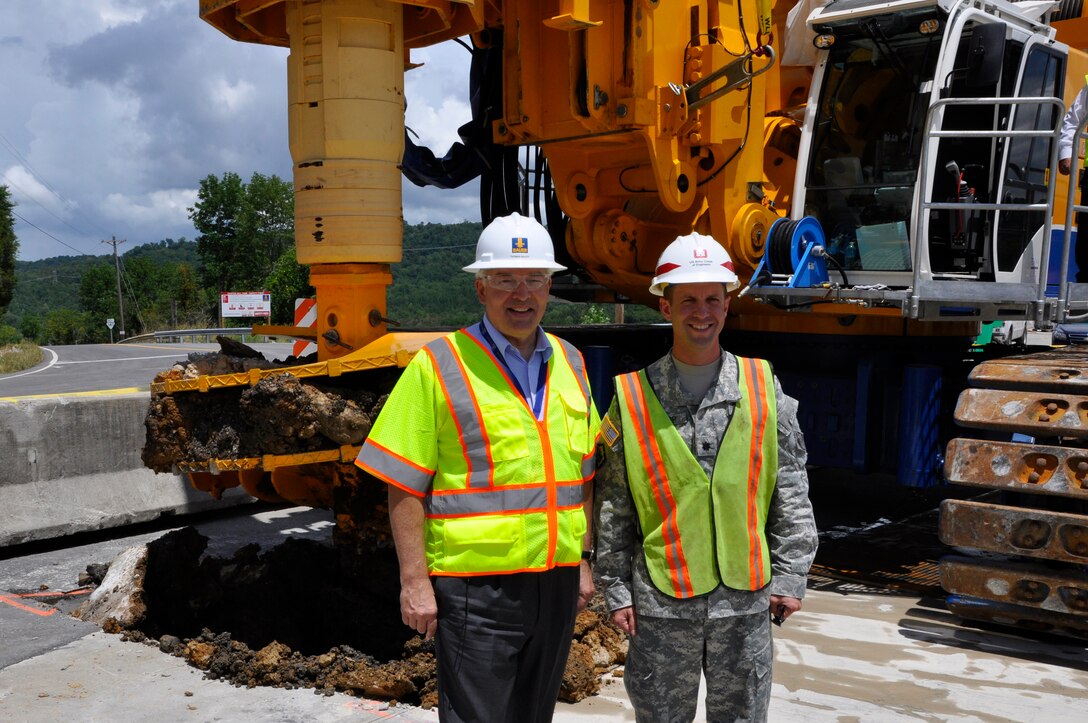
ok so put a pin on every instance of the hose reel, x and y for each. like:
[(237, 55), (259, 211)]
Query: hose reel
[(794, 256)]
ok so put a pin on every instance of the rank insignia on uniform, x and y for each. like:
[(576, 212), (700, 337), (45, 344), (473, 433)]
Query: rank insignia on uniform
[(609, 431), (519, 245)]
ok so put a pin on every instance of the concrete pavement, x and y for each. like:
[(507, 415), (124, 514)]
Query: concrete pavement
[(854, 653), (70, 461), (848, 656), (72, 464)]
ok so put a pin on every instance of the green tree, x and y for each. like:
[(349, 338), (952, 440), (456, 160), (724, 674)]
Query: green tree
[(31, 327), (64, 326), (215, 217), (191, 300), (639, 314), (9, 335), (9, 249), (287, 282), (147, 285), (267, 220), (429, 289), (595, 314), (157, 295), (98, 293), (244, 229)]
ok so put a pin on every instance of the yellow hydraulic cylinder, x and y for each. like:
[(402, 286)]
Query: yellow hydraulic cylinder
[(345, 80), (346, 121)]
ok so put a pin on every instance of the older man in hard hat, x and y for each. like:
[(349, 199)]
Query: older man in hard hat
[(487, 444), (705, 532)]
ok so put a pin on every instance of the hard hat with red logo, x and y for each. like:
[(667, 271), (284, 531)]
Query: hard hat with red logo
[(693, 259), (514, 242)]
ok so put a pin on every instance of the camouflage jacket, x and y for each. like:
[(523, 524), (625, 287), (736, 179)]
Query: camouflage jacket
[(790, 528)]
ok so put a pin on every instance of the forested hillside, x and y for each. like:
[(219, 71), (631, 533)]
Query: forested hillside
[(429, 288), (41, 286), (67, 299)]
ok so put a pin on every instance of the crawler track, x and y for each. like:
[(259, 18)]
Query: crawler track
[(1025, 544)]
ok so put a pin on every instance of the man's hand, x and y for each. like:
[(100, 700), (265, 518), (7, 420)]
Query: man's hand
[(1064, 166), (624, 618), (585, 584), (418, 608), (782, 607)]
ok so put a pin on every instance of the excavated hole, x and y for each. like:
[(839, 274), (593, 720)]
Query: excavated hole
[(296, 615), (310, 614), (302, 614), (298, 593)]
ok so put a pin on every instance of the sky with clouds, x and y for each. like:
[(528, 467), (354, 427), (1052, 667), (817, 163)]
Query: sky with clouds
[(112, 111)]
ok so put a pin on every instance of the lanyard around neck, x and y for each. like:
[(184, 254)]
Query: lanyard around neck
[(537, 400)]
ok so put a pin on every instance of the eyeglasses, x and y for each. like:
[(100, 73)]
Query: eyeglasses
[(509, 282)]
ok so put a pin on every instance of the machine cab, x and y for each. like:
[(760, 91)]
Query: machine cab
[(919, 166)]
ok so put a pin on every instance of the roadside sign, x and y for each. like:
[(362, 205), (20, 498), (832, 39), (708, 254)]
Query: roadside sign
[(245, 303), (109, 323)]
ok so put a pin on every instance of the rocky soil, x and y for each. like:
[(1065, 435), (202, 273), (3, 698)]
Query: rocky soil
[(278, 415), (301, 615)]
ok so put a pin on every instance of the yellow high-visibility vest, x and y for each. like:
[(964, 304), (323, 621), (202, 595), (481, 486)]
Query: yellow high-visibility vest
[(699, 532), (502, 490)]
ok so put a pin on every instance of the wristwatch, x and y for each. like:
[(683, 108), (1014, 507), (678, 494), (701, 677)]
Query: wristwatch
[(587, 555)]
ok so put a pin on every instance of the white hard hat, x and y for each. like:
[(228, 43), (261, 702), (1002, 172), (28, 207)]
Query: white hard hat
[(693, 259), (514, 242)]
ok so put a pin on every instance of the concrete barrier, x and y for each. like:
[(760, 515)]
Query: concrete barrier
[(72, 464)]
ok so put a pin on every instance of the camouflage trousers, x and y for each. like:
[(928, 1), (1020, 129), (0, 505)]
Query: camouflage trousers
[(666, 656)]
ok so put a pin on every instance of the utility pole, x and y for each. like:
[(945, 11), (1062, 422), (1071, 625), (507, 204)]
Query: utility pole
[(117, 268)]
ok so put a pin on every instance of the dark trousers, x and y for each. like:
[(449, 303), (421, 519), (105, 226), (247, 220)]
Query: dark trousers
[(1080, 250), (502, 644)]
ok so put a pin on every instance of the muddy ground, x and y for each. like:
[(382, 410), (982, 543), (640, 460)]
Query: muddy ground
[(302, 614), (283, 415), (278, 415), (306, 615)]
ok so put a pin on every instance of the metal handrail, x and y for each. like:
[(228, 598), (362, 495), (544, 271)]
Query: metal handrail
[(924, 180), (178, 334)]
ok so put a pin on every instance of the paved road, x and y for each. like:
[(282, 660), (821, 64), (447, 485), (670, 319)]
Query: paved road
[(97, 368), (855, 653)]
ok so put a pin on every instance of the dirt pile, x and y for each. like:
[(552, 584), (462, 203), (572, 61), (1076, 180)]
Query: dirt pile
[(302, 614), (278, 415), (306, 614)]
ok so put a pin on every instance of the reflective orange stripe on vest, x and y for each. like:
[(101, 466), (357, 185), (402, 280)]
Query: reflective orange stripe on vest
[(465, 412), (754, 391), (575, 361), (699, 531), (659, 484), (481, 495)]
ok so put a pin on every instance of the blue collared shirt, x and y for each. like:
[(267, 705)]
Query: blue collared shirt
[(527, 373)]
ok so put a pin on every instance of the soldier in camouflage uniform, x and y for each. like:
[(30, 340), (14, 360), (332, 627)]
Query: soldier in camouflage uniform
[(681, 618)]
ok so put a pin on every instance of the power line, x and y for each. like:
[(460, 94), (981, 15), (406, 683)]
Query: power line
[(63, 243), (17, 187), (131, 292), (439, 248), (41, 179), (117, 267), (50, 277), (26, 164)]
